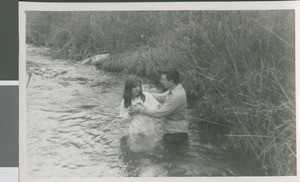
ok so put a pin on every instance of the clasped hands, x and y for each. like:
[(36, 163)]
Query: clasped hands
[(136, 109)]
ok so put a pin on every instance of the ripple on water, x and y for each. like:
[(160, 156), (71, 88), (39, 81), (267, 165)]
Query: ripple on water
[(87, 106), (74, 130)]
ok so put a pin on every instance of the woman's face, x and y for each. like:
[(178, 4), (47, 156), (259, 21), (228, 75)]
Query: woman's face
[(136, 90)]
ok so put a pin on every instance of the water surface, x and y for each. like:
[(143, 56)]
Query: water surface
[(73, 129)]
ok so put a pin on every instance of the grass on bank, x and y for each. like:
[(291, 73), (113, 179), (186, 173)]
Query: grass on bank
[(243, 79)]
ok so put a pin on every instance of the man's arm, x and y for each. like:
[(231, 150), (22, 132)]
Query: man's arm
[(169, 106), (160, 97)]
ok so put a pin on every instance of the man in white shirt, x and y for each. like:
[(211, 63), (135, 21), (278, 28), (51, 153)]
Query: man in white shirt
[(173, 111)]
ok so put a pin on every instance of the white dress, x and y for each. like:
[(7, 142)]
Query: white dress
[(144, 132)]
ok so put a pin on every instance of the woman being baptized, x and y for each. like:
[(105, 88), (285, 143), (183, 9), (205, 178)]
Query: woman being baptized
[(144, 132)]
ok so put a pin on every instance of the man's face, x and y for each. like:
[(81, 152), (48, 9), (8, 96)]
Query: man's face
[(166, 82)]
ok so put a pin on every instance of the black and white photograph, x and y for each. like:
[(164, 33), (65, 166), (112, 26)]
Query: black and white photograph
[(158, 90)]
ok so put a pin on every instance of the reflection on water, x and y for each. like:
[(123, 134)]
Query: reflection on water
[(73, 129)]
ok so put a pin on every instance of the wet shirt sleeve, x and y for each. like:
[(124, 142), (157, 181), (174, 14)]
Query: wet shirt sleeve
[(170, 105), (123, 111), (160, 97)]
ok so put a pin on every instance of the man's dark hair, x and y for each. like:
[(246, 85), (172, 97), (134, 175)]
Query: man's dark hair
[(172, 74)]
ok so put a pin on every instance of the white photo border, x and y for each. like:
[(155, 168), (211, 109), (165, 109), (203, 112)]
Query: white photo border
[(148, 6)]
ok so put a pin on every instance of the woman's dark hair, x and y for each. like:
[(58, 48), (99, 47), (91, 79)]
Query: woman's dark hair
[(131, 83)]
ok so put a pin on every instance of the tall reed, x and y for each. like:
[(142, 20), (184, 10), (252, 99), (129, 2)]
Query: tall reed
[(241, 68)]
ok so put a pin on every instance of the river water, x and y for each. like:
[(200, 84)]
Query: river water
[(73, 129)]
